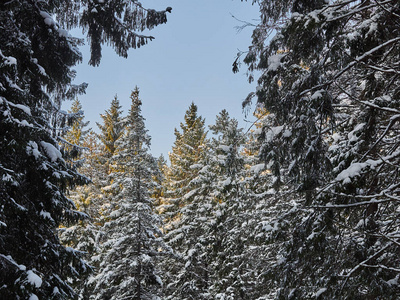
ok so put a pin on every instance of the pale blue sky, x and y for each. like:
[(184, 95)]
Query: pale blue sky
[(190, 59)]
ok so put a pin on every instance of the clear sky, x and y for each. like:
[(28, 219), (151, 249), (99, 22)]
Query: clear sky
[(190, 60)]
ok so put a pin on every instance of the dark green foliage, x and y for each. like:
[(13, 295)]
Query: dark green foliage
[(329, 82), (33, 173), (115, 22), (36, 56)]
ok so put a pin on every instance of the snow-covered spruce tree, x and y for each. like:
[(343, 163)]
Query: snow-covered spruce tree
[(226, 163), (33, 174), (187, 273), (36, 56), (329, 80), (81, 147), (247, 202), (187, 151), (87, 199), (201, 236), (111, 130), (74, 137), (133, 245), (112, 127), (184, 279)]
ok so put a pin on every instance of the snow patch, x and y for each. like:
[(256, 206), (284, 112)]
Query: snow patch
[(317, 94), (311, 236), (10, 60), (190, 194), (7, 178), (226, 182), (34, 279), (33, 149), (394, 281), (24, 123), (287, 133), (48, 20), (24, 108), (195, 166), (33, 297), (352, 135), (63, 33), (46, 215), (320, 292), (41, 70), (56, 291), (20, 207), (274, 61), (159, 281), (191, 252), (272, 132), (52, 152), (257, 168), (224, 148), (266, 226), (336, 137), (145, 258), (352, 171)]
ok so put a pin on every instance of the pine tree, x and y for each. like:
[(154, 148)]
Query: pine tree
[(128, 267), (328, 80)]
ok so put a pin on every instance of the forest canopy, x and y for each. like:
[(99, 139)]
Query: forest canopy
[(303, 205)]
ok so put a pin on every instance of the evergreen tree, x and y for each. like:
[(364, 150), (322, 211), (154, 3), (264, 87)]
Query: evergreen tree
[(200, 234), (74, 137), (185, 273), (112, 127), (84, 235), (117, 23), (186, 153), (328, 80), (33, 173), (243, 190), (36, 57), (128, 267)]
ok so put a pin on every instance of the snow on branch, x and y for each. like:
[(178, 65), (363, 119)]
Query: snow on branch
[(327, 206), (350, 65)]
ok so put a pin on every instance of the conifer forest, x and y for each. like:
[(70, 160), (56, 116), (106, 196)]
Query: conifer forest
[(305, 204)]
